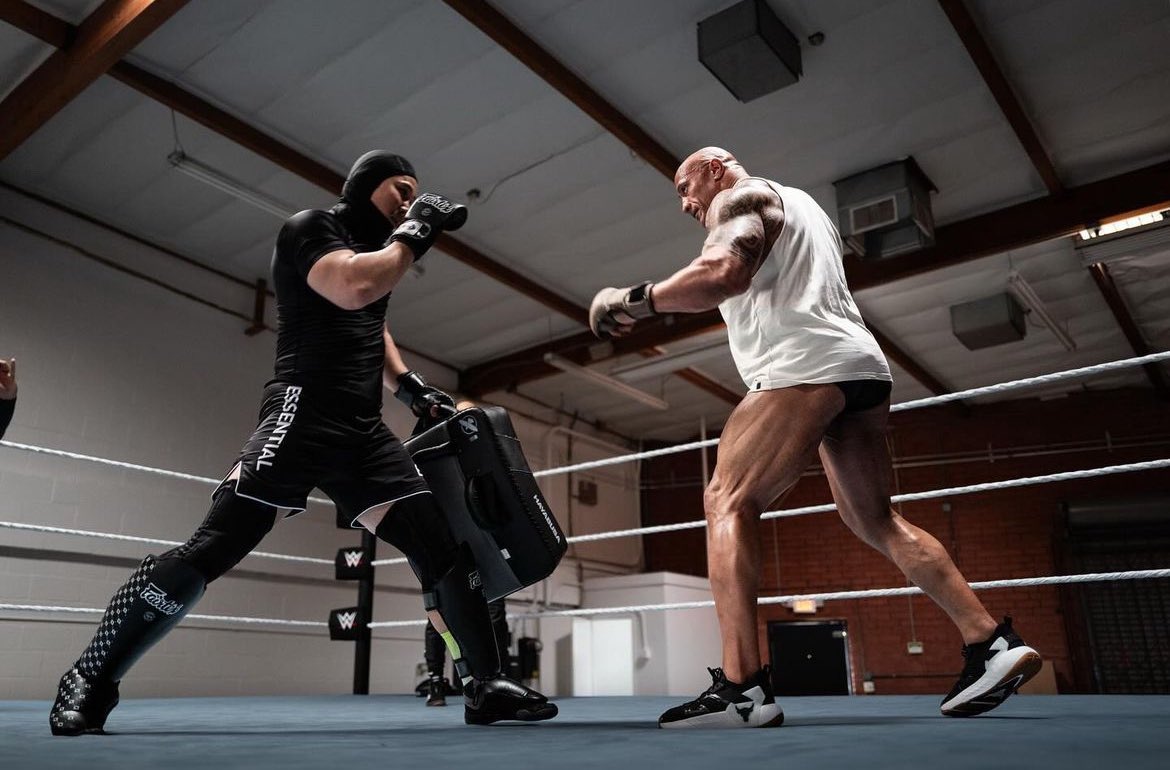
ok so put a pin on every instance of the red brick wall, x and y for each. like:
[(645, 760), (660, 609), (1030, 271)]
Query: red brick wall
[(1004, 534)]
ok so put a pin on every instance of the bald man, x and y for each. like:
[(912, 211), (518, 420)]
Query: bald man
[(817, 384)]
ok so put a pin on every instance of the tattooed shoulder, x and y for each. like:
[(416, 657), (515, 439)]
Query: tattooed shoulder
[(746, 198)]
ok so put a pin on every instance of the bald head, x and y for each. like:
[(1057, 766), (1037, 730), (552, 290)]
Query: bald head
[(703, 157), (704, 174)]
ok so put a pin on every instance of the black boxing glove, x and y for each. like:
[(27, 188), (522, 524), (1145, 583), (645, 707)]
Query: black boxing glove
[(429, 215), (420, 397)]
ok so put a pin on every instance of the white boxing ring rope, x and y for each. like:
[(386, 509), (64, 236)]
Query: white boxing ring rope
[(1003, 387), (829, 596), (904, 498), (870, 593)]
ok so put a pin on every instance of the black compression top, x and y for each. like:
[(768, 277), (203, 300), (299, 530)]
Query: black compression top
[(332, 351)]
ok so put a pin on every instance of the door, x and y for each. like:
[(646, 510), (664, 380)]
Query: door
[(809, 657)]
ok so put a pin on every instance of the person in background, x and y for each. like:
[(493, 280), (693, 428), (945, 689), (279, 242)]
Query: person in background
[(435, 650), (7, 392)]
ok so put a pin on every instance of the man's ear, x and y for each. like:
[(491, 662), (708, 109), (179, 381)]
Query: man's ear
[(717, 169)]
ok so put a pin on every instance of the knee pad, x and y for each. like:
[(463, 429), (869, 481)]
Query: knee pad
[(234, 526), (417, 527), (459, 599)]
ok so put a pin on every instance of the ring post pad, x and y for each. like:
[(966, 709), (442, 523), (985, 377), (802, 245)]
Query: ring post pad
[(476, 470), (352, 564), (347, 624)]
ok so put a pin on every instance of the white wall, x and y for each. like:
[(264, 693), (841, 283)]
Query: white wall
[(670, 651), (112, 366)]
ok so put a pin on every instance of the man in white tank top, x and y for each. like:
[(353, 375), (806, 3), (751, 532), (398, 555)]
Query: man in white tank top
[(817, 384)]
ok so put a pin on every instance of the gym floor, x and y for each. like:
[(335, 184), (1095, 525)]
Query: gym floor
[(1065, 732)]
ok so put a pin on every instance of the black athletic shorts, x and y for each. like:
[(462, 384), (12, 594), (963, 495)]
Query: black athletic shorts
[(326, 442), (864, 394)]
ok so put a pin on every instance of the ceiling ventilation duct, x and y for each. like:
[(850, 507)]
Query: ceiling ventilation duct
[(749, 50), (989, 321), (886, 210)]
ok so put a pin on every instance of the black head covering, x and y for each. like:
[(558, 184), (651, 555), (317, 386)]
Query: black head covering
[(360, 215)]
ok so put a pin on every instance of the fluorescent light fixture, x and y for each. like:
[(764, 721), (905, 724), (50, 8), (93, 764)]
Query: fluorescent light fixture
[(180, 161), (1131, 243), (671, 362), (605, 381), (1123, 224), (1031, 300)]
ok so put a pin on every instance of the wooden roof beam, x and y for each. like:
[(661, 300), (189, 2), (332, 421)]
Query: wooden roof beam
[(106, 35), (513, 40), (1005, 96), (1116, 301), (992, 233), (54, 31)]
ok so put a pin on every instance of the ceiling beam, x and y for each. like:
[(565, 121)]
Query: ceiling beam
[(107, 34), (703, 382), (509, 277), (513, 40), (582, 348), (1022, 224), (54, 31), (1116, 301), (1005, 96), (40, 24), (228, 126), (57, 32), (992, 233), (543, 64)]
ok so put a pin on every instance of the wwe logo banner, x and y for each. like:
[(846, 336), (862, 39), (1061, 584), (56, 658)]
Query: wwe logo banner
[(347, 624), (352, 564)]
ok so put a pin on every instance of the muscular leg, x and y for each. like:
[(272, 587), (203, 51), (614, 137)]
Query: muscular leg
[(857, 462), (769, 440)]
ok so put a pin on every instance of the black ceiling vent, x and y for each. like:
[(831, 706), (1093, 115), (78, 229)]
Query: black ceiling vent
[(886, 210), (749, 50), (987, 322)]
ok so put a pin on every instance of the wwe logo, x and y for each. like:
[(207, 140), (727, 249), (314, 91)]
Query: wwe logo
[(346, 620), (474, 582), (353, 559), (469, 425)]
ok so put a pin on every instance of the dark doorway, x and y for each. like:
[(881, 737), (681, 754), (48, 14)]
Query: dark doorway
[(809, 657), (1120, 628)]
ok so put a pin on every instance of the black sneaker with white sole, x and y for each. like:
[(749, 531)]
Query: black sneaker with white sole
[(729, 704), (995, 669)]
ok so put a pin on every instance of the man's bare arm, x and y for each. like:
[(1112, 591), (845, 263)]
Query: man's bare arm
[(748, 218)]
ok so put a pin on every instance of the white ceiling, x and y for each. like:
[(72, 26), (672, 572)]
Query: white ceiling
[(569, 206)]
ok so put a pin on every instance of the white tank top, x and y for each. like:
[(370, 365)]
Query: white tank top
[(797, 323)]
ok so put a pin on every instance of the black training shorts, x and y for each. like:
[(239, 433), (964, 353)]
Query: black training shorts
[(306, 440)]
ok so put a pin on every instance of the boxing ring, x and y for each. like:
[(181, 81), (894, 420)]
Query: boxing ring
[(895, 731), (884, 731)]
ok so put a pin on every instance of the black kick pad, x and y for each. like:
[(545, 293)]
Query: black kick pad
[(479, 477)]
